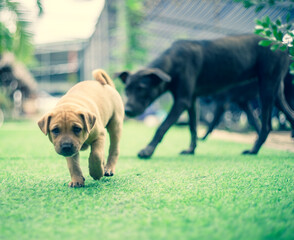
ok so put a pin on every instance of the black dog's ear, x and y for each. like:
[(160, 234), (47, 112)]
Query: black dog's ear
[(123, 76), (159, 74)]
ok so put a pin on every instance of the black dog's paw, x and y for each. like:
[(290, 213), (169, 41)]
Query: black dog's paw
[(248, 152), (187, 152), (203, 138), (146, 152)]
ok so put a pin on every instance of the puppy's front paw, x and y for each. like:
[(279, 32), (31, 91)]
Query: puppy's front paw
[(146, 152), (77, 182), (108, 171), (96, 172)]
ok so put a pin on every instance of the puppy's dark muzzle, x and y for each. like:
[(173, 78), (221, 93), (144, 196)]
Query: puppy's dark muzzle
[(67, 149)]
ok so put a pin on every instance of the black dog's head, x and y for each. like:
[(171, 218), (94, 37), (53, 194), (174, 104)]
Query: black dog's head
[(142, 88)]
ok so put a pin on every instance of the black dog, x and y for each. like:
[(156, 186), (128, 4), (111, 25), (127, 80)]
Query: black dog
[(243, 98), (195, 68)]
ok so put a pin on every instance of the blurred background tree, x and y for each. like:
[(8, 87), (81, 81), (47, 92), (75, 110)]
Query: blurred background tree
[(279, 34), (15, 35), (131, 50), (16, 44), (136, 51)]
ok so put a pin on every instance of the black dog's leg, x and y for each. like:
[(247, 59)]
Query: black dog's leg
[(216, 118), (267, 98), (192, 111), (252, 119), (174, 114)]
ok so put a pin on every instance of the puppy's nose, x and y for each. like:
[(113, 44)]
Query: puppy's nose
[(67, 149)]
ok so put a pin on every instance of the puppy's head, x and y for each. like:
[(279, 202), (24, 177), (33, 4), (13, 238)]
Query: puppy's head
[(142, 88), (67, 130)]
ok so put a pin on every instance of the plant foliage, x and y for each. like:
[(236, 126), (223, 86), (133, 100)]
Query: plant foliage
[(135, 45), (277, 34), (15, 35)]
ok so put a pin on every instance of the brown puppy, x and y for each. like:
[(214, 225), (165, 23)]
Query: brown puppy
[(79, 120)]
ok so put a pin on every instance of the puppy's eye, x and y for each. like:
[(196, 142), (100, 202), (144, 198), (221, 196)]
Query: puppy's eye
[(55, 131), (76, 129)]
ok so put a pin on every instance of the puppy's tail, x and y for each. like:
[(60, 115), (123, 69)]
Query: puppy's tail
[(102, 77)]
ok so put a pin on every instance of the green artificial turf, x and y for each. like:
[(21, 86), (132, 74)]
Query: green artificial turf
[(216, 194)]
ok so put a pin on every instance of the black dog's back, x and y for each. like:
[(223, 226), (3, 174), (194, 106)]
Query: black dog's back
[(218, 64)]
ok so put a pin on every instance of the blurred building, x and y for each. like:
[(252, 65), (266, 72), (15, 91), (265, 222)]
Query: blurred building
[(17, 87), (70, 50), (59, 65)]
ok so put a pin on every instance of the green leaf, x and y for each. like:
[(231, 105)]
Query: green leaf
[(271, 2), (291, 51), (267, 20), (265, 24), (20, 42), (280, 36), (258, 31), (290, 33), (40, 6), (258, 22), (283, 47), (275, 47), (268, 33), (274, 27), (265, 43), (288, 17), (259, 8), (247, 4), (6, 39), (278, 22)]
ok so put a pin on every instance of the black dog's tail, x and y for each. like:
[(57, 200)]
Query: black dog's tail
[(102, 77), (283, 105)]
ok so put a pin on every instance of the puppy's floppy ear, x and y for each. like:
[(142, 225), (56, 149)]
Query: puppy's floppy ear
[(159, 74), (123, 75), (89, 120), (44, 123)]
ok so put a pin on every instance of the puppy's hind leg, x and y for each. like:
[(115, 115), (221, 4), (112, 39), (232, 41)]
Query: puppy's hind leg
[(114, 129), (96, 159)]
